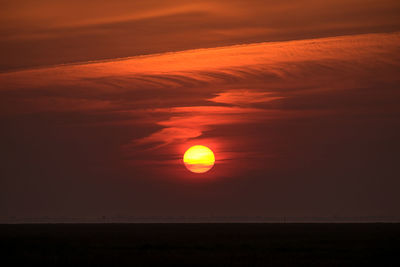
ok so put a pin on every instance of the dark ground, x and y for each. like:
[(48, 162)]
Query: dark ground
[(201, 244)]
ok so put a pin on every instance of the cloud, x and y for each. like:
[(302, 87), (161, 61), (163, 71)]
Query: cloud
[(181, 96), (243, 97), (300, 120), (169, 135), (53, 32)]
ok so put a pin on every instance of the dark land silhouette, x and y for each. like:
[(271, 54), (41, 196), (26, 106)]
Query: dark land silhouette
[(202, 244)]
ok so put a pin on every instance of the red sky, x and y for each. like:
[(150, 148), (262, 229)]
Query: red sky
[(298, 100)]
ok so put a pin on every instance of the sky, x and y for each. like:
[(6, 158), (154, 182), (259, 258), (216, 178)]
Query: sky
[(297, 99)]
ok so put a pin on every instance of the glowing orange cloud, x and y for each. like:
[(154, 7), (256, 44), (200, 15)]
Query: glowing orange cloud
[(183, 96), (243, 97)]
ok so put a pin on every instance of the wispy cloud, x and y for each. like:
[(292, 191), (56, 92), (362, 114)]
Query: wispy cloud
[(243, 97), (299, 120), (182, 96), (43, 32)]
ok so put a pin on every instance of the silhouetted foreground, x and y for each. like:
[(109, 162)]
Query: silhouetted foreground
[(201, 244)]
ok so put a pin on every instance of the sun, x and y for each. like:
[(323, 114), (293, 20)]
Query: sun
[(199, 159)]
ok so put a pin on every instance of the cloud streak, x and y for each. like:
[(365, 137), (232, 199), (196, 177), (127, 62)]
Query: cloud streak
[(49, 33), (293, 125), (190, 94)]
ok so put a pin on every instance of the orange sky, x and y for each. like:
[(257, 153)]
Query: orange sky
[(297, 99), (45, 32)]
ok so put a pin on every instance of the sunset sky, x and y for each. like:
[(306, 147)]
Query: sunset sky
[(298, 100)]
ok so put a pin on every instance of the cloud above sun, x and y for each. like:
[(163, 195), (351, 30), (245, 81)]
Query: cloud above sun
[(298, 100), (44, 32), (190, 94)]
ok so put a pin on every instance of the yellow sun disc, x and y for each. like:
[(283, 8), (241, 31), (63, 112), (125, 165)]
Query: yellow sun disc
[(199, 159)]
